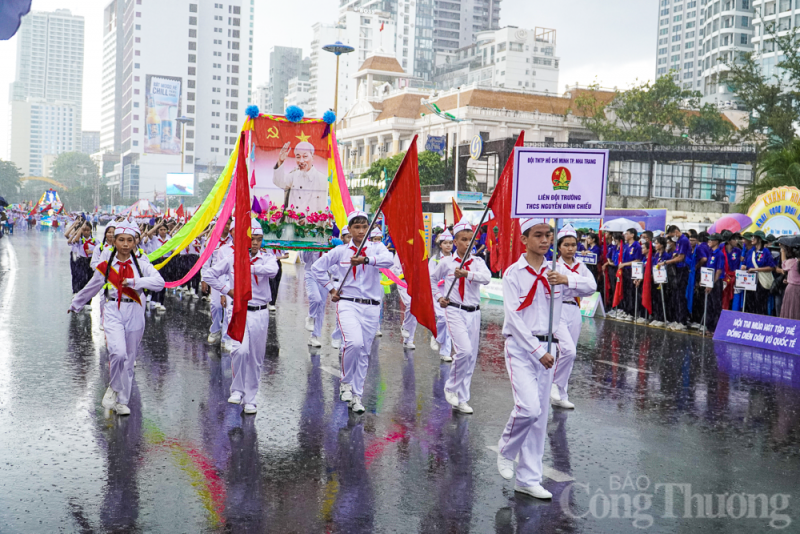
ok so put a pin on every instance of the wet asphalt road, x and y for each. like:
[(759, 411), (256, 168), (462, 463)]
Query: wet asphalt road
[(656, 411)]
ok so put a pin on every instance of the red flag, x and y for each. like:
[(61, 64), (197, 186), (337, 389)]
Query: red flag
[(508, 234), (457, 213), (647, 283), (381, 27), (180, 212), (242, 288), (618, 289), (402, 209)]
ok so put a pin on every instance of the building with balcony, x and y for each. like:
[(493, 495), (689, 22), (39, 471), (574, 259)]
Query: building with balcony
[(727, 35)]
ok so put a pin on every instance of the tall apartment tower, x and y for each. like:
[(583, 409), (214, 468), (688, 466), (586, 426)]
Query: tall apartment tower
[(456, 22), (179, 59), (679, 24), (285, 63), (46, 97), (730, 31)]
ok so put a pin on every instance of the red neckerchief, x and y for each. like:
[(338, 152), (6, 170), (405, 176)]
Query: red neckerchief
[(252, 262), (462, 281), (87, 242), (117, 277), (539, 277), (363, 253), (575, 270)]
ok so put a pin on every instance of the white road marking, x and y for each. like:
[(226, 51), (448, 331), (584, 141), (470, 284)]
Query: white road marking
[(553, 474), (625, 367)]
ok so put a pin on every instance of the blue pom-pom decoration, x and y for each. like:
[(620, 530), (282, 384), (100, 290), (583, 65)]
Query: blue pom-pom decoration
[(336, 242), (329, 117), (251, 111), (294, 114)]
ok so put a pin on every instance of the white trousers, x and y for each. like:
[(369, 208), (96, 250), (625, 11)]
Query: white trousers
[(568, 332), (409, 321), (464, 328), (247, 357), (123, 329), (442, 334), (526, 429), (358, 324), (227, 312), (217, 312), (317, 300)]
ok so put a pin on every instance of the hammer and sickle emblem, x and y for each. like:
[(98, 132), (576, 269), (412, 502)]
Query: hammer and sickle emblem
[(273, 133)]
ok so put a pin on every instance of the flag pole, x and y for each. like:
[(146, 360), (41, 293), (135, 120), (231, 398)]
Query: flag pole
[(552, 292), (469, 249), (375, 217)]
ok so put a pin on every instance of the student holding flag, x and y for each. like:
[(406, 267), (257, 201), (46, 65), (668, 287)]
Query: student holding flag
[(124, 278), (442, 342), (462, 312)]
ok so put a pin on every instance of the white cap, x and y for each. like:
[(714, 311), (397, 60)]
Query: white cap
[(344, 230), (111, 224), (356, 213), (376, 232), (255, 227), (462, 225), (445, 236), (126, 227), (527, 223), (233, 222), (567, 231)]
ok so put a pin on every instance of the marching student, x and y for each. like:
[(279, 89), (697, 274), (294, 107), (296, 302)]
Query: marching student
[(528, 286), (247, 356), (462, 312), (335, 274), (217, 310), (570, 315), (123, 317), (357, 304), (79, 237), (317, 297), (106, 244), (716, 261), (151, 244), (409, 324), (442, 342)]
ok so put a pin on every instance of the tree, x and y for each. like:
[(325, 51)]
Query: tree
[(432, 171), (10, 184), (660, 112), (777, 167), (74, 169)]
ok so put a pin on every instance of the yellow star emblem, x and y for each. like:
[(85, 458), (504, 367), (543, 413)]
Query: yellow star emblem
[(303, 137)]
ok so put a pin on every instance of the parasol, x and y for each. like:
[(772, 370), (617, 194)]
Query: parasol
[(734, 222), (621, 225)]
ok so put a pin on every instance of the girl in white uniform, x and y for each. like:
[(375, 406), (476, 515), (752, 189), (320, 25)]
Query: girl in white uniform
[(462, 312), (442, 342), (335, 274), (217, 311), (570, 314), (317, 297), (123, 317), (247, 357)]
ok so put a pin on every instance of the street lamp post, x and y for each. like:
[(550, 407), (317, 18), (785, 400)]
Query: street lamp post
[(183, 120), (337, 48)]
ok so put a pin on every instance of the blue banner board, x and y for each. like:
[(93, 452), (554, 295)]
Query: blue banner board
[(436, 143), (762, 331)]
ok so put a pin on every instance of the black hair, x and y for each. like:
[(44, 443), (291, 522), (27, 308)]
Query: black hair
[(702, 237), (562, 238), (661, 240), (672, 228), (649, 234), (358, 220), (634, 232), (692, 233)]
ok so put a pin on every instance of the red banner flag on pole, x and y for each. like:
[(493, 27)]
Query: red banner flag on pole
[(180, 212), (402, 209), (618, 289), (242, 288), (510, 247), (457, 213), (647, 283)]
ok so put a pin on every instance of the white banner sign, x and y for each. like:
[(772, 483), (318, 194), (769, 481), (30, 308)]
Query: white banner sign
[(706, 277), (746, 281), (637, 270), (559, 182), (660, 274)]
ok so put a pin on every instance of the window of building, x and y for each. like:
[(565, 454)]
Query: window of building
[(190, 84), (192, 58), (743, 39), (190, 96), (135, 65), (189, 109), (192, 45), (192, 71), (192, 21), (192, 8)]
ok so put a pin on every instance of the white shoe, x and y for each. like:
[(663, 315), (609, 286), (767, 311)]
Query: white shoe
[(641, 320), (214, 337), (310, 324), (505, 467), (447, 358), (628, 318), (656, 323), (554, 393), (356, 405), (451, 398), (272, 307), (379, 333), (195, 296), (562, 403), (409, 346), (88, 307), (235, 398), (404, 333), (109, 399), (612, 313), (695, 326), (161, 308), (345, 392), (121, 409), (226, 347), (536, 491), (681, 327), (463, 407), (314, 342), (205, 298), (434, 344), (250, 408), (336, 343), (102, 327)]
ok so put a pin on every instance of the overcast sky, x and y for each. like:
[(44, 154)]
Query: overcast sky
[(611, 42)]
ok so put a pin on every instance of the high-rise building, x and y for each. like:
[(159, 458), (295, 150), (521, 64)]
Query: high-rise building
[(191, 60), (90, 142), (285, 63), (46, 97), (729, 33), (262, 95), (456, 22), (678, 48), (111, 93)]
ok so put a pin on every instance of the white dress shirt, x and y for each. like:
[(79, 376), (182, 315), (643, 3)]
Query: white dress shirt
[(478, 275), (586, 284), (366, 284), (150, 279), (263, 266)]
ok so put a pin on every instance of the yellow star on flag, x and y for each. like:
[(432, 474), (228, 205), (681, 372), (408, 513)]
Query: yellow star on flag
[(303, 137)]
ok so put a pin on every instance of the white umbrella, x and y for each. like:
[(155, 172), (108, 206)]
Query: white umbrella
[(621, 225)]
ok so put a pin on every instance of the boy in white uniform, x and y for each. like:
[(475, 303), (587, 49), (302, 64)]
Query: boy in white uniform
[(123, 313), (217, 311), (247, 357), (336, 273), (570, 315), (317, 297), (462, 312), (442, 342), (358, 303), (409, 326), (527, 286)]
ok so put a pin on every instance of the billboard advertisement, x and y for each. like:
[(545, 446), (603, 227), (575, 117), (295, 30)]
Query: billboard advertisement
[(180, 184), (162, 107)]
